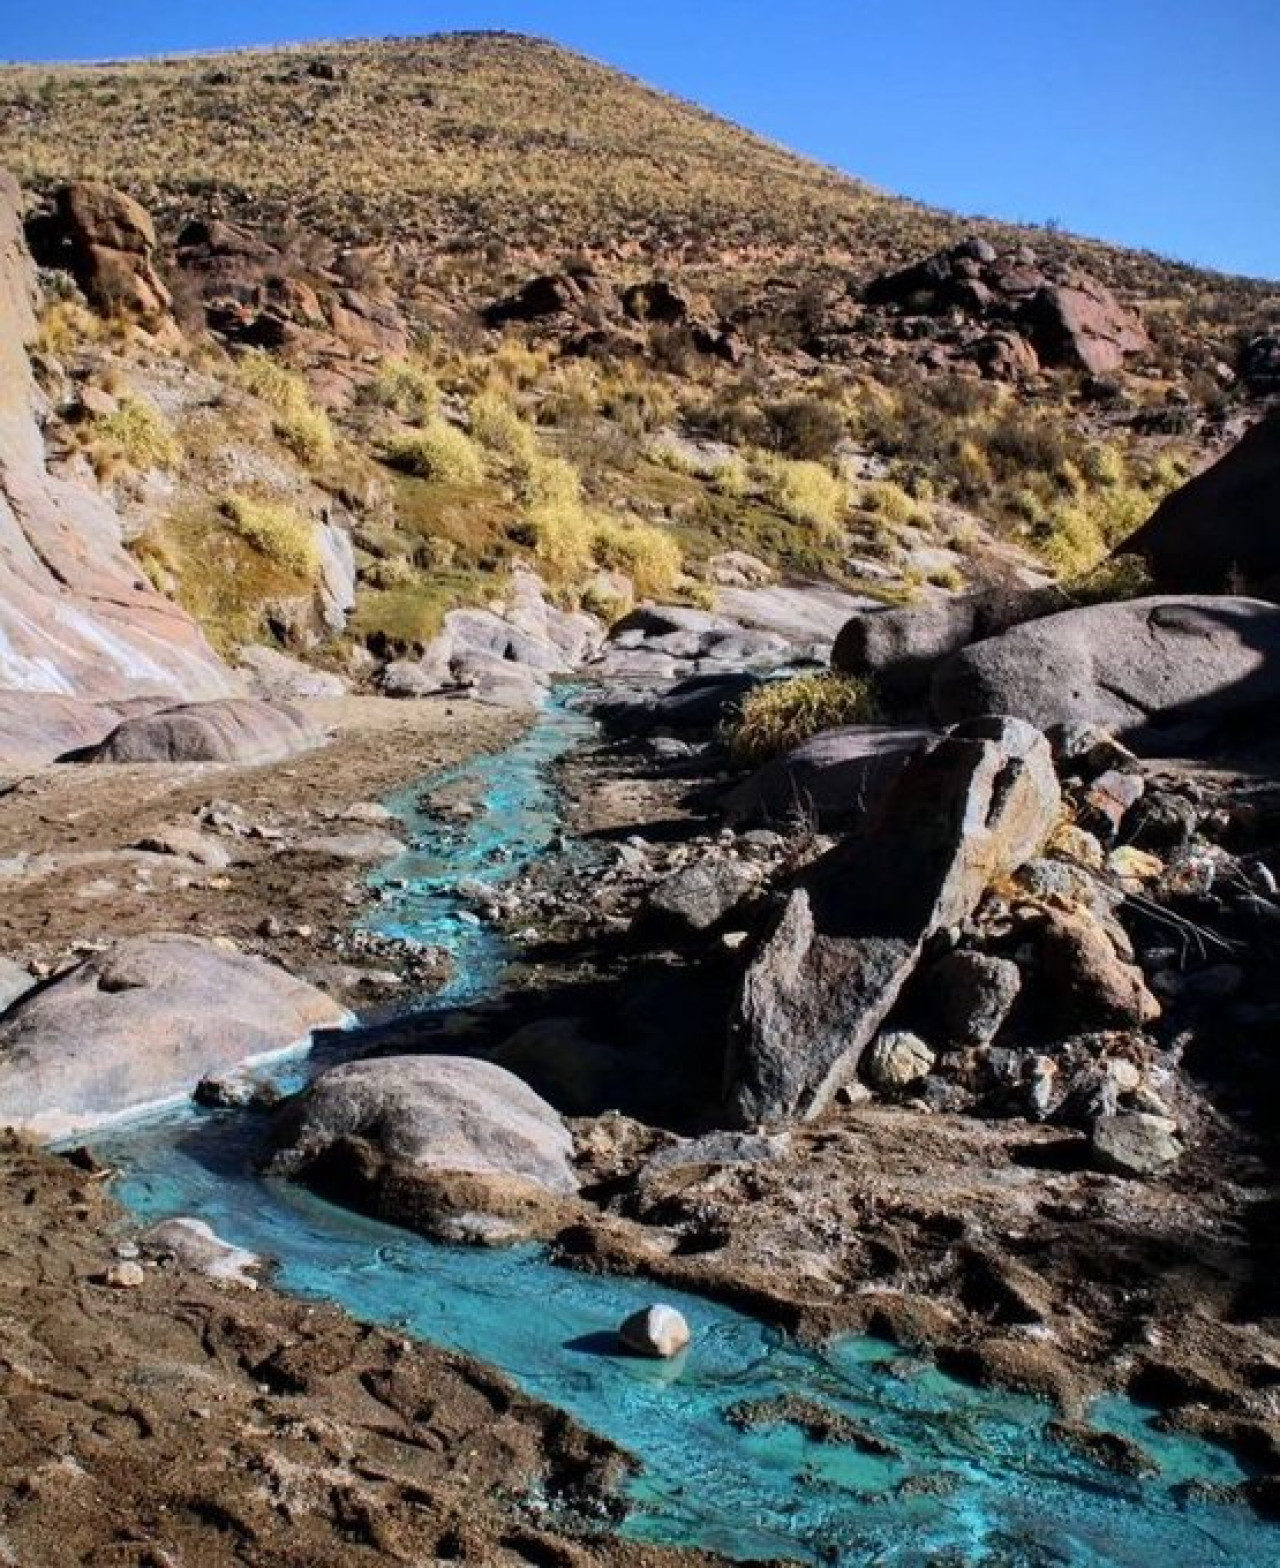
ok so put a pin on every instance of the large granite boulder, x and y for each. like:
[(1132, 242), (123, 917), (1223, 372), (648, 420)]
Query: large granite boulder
[(141, 1024), (831, 965), (899, 649), (449, 1145), (1170, 676), (77, 618), (1221, 530), (237, 729), (827, 782), (37, 727)]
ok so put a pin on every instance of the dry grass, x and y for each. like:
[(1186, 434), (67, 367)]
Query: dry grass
[(438, 451), (136, 435), (276, 532), (781, 715)]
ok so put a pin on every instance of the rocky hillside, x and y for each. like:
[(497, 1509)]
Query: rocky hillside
[(347, 332)]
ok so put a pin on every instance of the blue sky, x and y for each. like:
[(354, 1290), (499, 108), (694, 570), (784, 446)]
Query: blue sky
[(1150, 122)]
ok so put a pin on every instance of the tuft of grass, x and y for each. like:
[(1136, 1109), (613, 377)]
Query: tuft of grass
[(646, 553), (407, 389), (496, 425), (305, 429), (781, 715), (136, 434), (439, 452), (276, 532), (804, 492)]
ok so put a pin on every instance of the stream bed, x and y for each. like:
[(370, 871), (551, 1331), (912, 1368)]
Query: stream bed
[(960, 1477)]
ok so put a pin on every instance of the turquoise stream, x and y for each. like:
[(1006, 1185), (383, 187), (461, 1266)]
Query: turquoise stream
[(975, 1478)]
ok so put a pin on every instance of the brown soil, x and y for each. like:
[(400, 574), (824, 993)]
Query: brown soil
[(185, 1422), (88, 885)]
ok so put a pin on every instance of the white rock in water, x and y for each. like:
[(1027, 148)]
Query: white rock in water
[(657, 1331)]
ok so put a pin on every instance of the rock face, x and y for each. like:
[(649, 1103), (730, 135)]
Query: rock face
[(829, 781), (1061, 317), (456, 1147), (107, 241), (658, 1331), (142, 1024), (1170, 676), (237, 729), (975, 807), (76, 617), (1220, 530)]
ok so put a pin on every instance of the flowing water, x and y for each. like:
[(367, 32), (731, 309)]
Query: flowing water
[(966, 1477)]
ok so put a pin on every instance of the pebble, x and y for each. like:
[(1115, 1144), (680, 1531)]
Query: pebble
[(658, 1331), (127, 1275)]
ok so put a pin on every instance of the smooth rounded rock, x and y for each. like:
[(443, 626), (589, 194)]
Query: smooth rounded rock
[(658, 1331)]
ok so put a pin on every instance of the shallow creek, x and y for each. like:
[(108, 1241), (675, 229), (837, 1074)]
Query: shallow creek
[(967, 1477)]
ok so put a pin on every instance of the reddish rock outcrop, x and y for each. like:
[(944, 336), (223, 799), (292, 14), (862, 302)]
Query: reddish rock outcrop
[(76, 616), (107, 241)]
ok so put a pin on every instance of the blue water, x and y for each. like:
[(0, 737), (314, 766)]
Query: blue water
[(974, 1478)]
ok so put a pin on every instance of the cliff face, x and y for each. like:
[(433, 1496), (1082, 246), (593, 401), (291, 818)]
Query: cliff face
[(76, 617)]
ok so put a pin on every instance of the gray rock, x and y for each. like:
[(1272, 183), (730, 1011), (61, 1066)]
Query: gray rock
[(698, 705), (835, 959), (897, 1060), (802, 615), (371, 847), (1170, 676), (972, 995), (899, 649), (828, 782), (1218, 532), (658, 1331), (432, 1142), (278, 677), (1133, 1143), (195, 1246), (698, 897), (187, 843), (235, 729), (140, 1025), (15, 982), (40, 727)]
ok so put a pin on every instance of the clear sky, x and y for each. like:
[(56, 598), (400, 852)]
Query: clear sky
[(1150, 122)]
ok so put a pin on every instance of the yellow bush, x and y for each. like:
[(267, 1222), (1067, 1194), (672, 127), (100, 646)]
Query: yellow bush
[(804, 491), (782, 714), (551, 482), (308, 434), (888, 500), (138, 434), (439, 451), (305, 429), (497, 425), (407, 388), (561, 537), (646, 553), (277, 532), (732, 478)]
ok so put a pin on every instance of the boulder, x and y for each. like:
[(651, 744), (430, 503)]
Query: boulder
[(834, 960), (971, 995), (39, 727), (15, 982), (448, 1145), (107, 241), (236, 729), (656, 302), (700, 704), (1080, 325), (1133, 1143), (1087, 984), (77, 618), (278, 677), (898, 1060), (697, 898), (1220, 531), (1260, 365), (660, 1332), (141, 1024), (1170, 676), (827, 782), (194, 1244), (900, 649)]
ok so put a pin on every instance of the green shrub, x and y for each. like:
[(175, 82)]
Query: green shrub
[(782, 714), (277, 532), (439, 452)]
